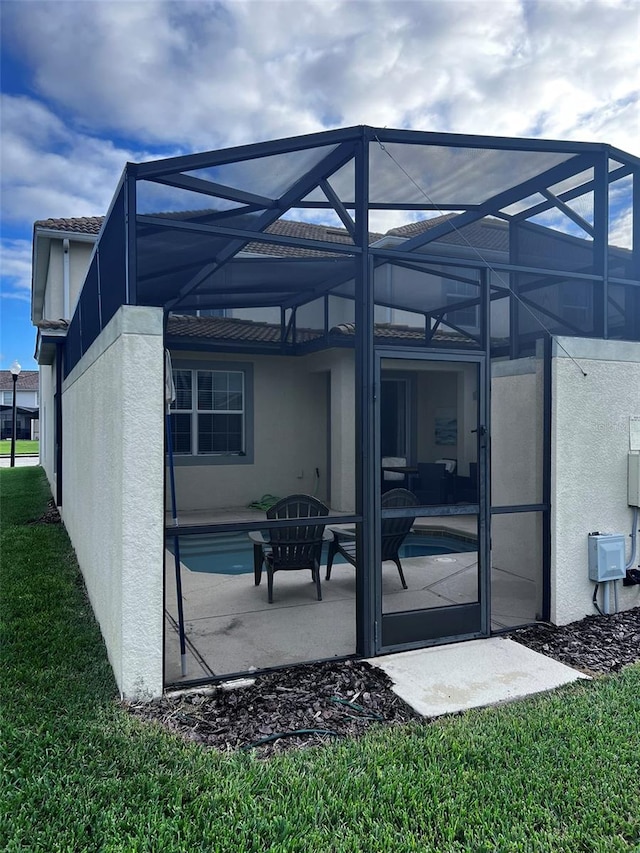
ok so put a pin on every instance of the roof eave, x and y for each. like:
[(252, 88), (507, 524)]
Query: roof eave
[(42, 238), (47, 344)]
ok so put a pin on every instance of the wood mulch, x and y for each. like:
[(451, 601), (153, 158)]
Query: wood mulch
[(50, 516), (311, 704), (594, 645), (294, 707)]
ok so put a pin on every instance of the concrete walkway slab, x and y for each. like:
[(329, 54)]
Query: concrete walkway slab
[(446, 679), (21, 461)]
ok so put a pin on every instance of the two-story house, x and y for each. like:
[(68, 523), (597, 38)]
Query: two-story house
[(27, 389), (335, 315)]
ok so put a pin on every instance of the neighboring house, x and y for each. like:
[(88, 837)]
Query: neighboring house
[(491, 341), (26, 404)]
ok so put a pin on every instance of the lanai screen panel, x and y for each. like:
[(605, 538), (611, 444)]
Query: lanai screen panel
[(459, 176), (268, 175)]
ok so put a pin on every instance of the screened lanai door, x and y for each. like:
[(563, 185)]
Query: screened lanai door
[(432, 523)]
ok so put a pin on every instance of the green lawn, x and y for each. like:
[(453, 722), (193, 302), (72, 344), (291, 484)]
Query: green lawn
[(560, 772), (22, 447)]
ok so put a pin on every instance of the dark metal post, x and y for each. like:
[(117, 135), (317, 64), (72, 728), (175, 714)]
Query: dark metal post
[(15, 372), (366, 611), (57, 401), (601, 244), (484, 455), (546, 479), (634, 296), (131, 270), (13, 423)]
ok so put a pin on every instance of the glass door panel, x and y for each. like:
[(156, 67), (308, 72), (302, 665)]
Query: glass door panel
[(430, 536)]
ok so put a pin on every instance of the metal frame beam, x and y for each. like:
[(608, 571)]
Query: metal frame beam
[(568, 211), (569, 195), (331, 163), (502, 199), (210, 188), (339, 208), (252, 151), (247, 236)]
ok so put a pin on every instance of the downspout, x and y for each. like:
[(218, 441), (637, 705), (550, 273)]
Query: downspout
[(65, 278), (58, 417)]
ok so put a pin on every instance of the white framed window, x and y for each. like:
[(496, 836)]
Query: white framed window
[(460, 291), (209, 413), (576, 303)]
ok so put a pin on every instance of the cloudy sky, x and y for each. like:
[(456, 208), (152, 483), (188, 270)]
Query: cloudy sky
[(90, 84)]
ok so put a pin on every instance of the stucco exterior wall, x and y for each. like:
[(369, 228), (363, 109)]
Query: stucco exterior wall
[(343, 432), (53, 295), (113, 406), (289, 427), (516, 431), (517, 466), (79, 257), (590, 444), (47, 380)]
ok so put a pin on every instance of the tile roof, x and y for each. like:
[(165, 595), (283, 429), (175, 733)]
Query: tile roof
[(75, 225), (398, 332), (231, 329), (236, 329), (306, 231), (487, 233), (27, 380)]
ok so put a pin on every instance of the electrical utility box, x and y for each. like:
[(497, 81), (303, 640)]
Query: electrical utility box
[(634, 479), (606, 557)]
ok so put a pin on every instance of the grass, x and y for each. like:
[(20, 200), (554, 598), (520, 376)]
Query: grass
[(558, 772), (22, 447)]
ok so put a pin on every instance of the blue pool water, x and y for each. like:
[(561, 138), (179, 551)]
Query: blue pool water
[(232, 553)]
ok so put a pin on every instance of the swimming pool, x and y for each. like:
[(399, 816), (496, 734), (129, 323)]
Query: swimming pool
[(232, 553)]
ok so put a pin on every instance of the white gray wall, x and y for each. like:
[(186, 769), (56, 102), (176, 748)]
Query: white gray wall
[(517, 467), (290, 442), (47, 383), (113, 406), (590, 443), (79, 257)]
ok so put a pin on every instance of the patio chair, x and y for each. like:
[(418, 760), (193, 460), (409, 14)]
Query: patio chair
[(296, 547), (393, 532)]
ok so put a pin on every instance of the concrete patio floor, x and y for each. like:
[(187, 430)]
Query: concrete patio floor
[(231, 627)]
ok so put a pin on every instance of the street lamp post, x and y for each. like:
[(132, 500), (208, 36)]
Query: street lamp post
[(15, 372)]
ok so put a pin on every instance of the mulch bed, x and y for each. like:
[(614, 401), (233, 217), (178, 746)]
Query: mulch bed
[(595, 644), (299, 706), (51, 514), (311, 704)]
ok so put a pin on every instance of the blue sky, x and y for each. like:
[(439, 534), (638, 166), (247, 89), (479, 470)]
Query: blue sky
[(90, 84)]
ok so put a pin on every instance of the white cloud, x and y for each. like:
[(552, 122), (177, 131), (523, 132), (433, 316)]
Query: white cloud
[(49, 169), (15, 269), (184, 76), (205, 74)]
